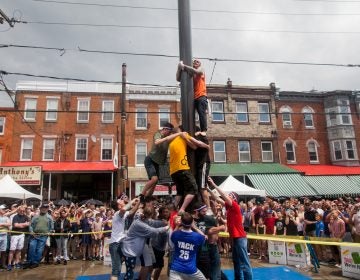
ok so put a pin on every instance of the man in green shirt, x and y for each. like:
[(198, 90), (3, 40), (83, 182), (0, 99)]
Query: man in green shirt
[(157, 157)]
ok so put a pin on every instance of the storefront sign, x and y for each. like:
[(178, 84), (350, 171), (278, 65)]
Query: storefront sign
[(23, 175), (277, 252), (159, 189), (350, 262), (297, 254)]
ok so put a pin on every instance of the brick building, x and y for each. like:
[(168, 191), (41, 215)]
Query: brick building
[(6, 128)]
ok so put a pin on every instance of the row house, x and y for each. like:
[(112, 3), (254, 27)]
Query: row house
[(6, 127)]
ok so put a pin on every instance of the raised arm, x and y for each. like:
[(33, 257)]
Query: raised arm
[(223, 195)]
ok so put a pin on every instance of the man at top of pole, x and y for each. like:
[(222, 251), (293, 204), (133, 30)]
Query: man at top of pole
[(197, 72)]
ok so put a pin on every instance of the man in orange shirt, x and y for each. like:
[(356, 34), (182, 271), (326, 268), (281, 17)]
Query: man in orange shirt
[(200, 96)]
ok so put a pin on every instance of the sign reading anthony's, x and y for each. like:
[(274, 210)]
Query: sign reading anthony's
[(23, 175)]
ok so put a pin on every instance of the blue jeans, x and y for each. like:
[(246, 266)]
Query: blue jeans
[(242, 267), (116, 255), (201, 106), (215, 265), (36, 248)]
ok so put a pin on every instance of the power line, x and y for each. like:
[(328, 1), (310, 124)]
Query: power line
[(194, 28), (193, 10), (63, 50)]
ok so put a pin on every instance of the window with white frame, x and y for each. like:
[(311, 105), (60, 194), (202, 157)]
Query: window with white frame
[(267, 151), (313, 152), (164, 117), (141, 118), (244, 151), (140, 153), (51, 109), (2, 125), (106, 148), (345, 114), (81, 148), (30, 109), (285, 112), (290, 151), (217, 110), (219, 151), (264, 113), (242, 112), (350, 150), (49, 149), (108, 111), (83, 110), (26, 148), (308, 117), (337, 150)]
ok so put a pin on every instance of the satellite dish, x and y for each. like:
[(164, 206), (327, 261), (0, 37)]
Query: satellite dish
[(93, 138)]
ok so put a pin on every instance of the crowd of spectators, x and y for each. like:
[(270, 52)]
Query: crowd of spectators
[(48, 233)]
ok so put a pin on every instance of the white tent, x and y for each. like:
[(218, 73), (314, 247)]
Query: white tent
[(231, 184), (10, 189)]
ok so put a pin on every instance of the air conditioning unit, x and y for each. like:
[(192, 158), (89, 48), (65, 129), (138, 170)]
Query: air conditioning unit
[(287, 123)]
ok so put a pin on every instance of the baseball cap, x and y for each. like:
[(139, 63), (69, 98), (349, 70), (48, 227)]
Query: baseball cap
[(234, 196), (44, 205), (3, 206)]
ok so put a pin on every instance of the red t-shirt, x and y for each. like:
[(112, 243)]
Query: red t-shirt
[(270, 223), (234, 220)]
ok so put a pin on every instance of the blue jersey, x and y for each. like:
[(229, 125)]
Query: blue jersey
[(186, 246), (319, 230)]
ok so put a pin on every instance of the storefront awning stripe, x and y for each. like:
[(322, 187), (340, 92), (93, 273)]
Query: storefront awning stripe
[(277, 185), (333, 185), (238, 169), (355, 179), (65, 166)]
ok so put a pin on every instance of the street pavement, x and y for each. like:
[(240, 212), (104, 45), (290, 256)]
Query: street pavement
[(79, 267)]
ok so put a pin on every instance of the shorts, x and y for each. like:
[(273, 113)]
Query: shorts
[(17, 242), (203, 262), (159, 258), (3, 242), (152, 168), (96, 242), (175, 275), (202, 174), (185, 182), (148, 257)]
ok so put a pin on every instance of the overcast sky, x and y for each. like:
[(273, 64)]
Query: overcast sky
[(267, 30)]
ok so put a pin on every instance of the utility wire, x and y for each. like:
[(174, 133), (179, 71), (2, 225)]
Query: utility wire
[(194, 28), (194, 10), (63, 50)]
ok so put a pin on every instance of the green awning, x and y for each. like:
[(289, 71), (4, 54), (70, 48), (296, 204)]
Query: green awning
[(333, 185), (355, 179), (275, 185), (237, 169)]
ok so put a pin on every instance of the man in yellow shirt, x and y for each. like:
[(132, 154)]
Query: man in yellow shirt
[(181, 175)]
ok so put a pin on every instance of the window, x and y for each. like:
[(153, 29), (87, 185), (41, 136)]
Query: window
[(264, 116), (2, 125), (219, 151), (140, 151), (290, 151), (313, 154), (244, 151), (164, 117), (308, 117), (267, 152), (345, 114), (26, 149), (141, 118), (30, 109), (241, 112), (217, 109), (108, 111), (49, 149), (337, 150), (83, 110), (51, 109), (106, 148), (285, 112), (81, 148), (350, 151)]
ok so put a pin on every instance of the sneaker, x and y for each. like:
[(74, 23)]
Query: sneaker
[(9, 267), (74, 258), (18, 266), (57, 261), (338, 265)]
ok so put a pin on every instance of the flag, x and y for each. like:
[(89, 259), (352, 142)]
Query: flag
[(116, 156)]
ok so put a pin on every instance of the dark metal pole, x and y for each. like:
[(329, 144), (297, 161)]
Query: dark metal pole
[(122, 173), (187, 90)]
